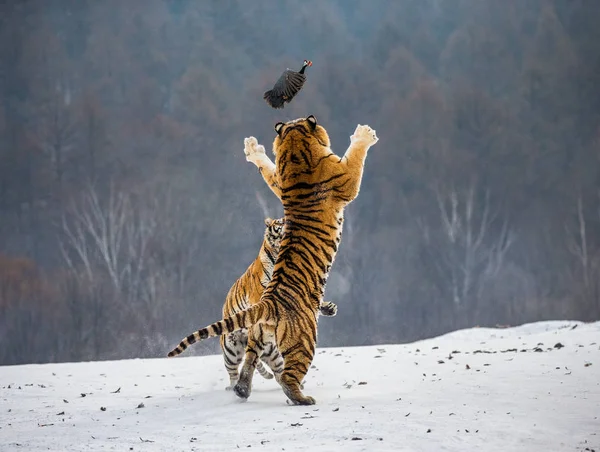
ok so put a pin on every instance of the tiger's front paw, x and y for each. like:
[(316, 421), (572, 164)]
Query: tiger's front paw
[(328, 308), (253, 151), (364, 135)]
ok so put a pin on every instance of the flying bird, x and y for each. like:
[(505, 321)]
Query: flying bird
[(287, 86)]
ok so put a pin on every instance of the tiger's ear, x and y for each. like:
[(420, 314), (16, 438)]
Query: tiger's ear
[(278, 128), (312, 121), (268, 221)]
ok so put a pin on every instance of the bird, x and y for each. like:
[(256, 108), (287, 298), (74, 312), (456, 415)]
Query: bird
[(287, 86)]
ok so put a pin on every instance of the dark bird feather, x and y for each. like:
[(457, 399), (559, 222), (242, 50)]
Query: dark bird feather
[(286, 87)]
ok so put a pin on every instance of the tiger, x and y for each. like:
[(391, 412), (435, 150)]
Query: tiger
[(314, 185), (245, 292)]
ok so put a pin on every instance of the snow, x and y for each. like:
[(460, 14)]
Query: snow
[(410, 397)]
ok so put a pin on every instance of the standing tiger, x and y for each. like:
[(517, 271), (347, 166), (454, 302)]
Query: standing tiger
[(245, 292), (314, 186)]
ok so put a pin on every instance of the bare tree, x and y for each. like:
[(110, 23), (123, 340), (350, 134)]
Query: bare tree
[(57, 128), (95, 141), (108, 239), (463, 249), (143, 245), (577, 242), (582, 248), (97, 230), (112, 235)]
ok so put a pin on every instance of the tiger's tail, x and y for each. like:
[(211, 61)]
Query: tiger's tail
[(262, 371), (242, 319)]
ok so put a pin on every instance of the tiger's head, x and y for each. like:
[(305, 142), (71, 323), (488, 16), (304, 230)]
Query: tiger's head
[(299, 134), (274, 232)]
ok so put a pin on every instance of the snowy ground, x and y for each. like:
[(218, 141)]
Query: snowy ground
[(511, 389)]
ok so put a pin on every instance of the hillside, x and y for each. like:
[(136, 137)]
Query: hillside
[(530, 388)]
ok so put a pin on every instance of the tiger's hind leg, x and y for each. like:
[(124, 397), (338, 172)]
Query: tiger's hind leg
[(233, 346), (243, 387), (298, 358)]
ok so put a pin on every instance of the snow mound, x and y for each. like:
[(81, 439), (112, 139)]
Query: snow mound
[(535, 387)]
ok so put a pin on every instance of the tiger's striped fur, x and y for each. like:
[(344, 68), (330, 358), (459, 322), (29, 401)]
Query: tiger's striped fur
[(247, 291), (314, 185)]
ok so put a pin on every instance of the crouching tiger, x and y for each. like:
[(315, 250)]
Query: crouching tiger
[(245, 292), (314, 186)]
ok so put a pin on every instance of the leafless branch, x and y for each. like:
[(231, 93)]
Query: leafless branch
[(450, 219), (577, 242), (470, 253)]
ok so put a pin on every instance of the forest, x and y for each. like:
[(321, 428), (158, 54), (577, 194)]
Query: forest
[(127, 208)]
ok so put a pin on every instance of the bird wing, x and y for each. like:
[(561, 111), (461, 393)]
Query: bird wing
[(289, 84)]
